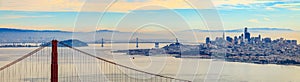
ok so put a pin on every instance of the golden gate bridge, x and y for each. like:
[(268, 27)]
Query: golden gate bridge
[(69, 64)]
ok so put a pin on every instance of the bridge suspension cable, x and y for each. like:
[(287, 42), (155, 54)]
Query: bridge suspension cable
[(73, 65), (168, 79)]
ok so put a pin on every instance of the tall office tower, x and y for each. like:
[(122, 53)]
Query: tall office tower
[(242, 37), (224, 35), (156, 45), (294, 42), (246, 30), (102, 42), (207, 40), (229, 39), (177, 42), (267, 40), (236, 40), (137, 43), (247, 35)]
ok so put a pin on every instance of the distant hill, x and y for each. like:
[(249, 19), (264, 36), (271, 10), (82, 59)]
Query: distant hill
[(269, 29), (107, 31), (71, 42), (29, 35), (241, 30), (24, 30), (21, 35), (74, 43)]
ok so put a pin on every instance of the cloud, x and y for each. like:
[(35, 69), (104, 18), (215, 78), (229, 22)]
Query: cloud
[(240, 4), (269, 8), (117, 6), (233, 2), (258, 4), (89, 5), (290, 6), (129, 5), (41, 5), (24, 16), (253, 21), (267, 19), (35, 27)]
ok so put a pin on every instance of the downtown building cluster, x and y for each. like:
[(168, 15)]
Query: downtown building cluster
[(245, 48), (246, 38)]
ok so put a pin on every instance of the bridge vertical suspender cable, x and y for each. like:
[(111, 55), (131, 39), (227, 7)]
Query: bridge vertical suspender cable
[(54, 64), (24, 68), (126, 67), (20, 59)]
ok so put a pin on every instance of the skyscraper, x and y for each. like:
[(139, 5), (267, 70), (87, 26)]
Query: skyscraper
[(236, 40), (177, 42), (137, 43), (267, 40), (246, 30), (247, 35), (229, 39), (156, 45), (294, 42), (224, 35), (207, 40), (102, 42)]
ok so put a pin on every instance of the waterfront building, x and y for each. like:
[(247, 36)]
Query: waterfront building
[(294, 42), (255, 40), (220, 41), (156, 45), (229, 39), (137, 43), (247, 35), (207, 40), (267, 40), (242, 39), (236, 40), (288, 41), (224, 35), (102, 42), (177, 42)]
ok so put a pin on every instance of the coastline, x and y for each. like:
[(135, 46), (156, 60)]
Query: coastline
[(207, 57)]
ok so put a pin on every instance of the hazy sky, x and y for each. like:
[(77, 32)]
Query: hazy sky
[(128, 15)]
